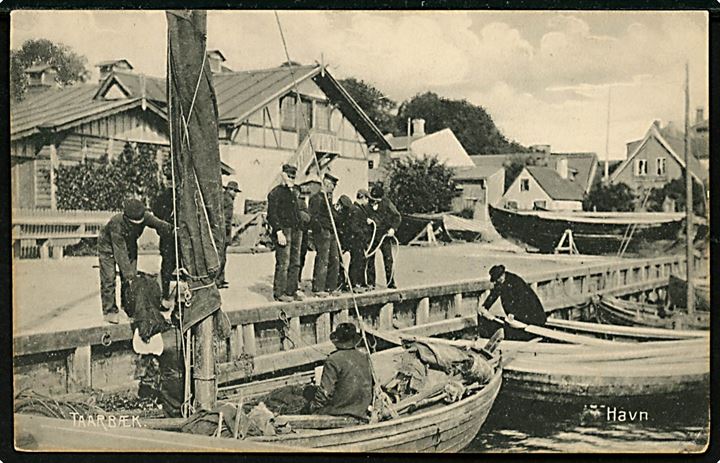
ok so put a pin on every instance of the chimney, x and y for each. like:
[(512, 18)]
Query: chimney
[(108, 67), (562, 168), (216, 60), (418, 127), (699, 115), (41, 77)]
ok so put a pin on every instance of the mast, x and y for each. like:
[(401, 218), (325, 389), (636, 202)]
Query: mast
[(195, 151), (690, 255), (607, 139)]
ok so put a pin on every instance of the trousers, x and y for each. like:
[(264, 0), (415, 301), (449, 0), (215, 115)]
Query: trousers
[(287, 263), (386, 249), (108, 275), (325, 268)]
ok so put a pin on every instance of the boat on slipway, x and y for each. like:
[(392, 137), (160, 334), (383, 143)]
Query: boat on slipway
[(592, 232)]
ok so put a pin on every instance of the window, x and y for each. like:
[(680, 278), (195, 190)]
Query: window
[(322, 116), (306, 112), (287, 112), (660, 166), (512, 205), (641, 167), (540, 205), (371, 164), (524, 184)]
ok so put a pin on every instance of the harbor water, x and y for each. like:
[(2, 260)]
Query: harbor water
[(674, 424)]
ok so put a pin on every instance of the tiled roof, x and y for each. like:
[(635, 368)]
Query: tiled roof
[(477, 172), (555, 186), (584, 165), (114, 61), (132, 84)]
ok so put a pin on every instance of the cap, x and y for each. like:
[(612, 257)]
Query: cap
[(289, 169), (134, 210), (345, 335), (377, 193), (496, 271), (233, 185), (330, 177), (362, 193), (345, 201)]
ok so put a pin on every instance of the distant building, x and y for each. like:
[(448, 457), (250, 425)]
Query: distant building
[(543, 188), (658, 158), (263, 123), (479, 187), (443, 144)]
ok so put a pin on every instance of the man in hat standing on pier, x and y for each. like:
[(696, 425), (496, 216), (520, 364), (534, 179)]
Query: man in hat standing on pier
[(346, 385), (323, 215), (231, 190), (359, 239), (283, 216), (387, 220), (309, 187), (117, 246), (518, 299)]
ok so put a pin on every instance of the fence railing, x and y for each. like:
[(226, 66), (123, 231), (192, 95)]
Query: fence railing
[(277, 337)]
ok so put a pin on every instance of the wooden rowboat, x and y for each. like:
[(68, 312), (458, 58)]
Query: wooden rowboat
[(616, 311), (574, 362)]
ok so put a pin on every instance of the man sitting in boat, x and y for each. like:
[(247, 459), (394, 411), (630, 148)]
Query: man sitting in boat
[(346, 386), (518, 299)]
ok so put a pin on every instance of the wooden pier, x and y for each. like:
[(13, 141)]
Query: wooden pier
[(275, 337)]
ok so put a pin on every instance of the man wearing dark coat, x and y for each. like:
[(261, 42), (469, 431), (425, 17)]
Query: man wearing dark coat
[(283, 216), (325, 267), (387, 219), (117, 246), (343, 207), (162, 207), (518, 299), (359, 239), (231, 190), (346, 385)]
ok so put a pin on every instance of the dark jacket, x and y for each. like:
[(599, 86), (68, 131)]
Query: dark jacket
[(162, 207), (228, 206), (518, 299), (118, 238), (282, 209), (319, 213), (343, 226), (360, 231), (386, 217), (346, 386)]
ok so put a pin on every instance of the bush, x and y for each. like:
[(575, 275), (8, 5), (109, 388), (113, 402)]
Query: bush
[(421, 185), (676, 190), (614, 197), (104, 185)]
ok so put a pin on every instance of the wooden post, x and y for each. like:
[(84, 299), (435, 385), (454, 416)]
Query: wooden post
[(79, 368), (44, 249), (236, 342), (422, 314), (342, 316), (53, 187), (248, 335), (456, 306), (385, 320), (322, 327), (204, 368)]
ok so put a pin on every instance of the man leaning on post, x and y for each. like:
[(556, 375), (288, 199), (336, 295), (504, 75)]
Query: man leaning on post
[(117, 246), (283, 216)]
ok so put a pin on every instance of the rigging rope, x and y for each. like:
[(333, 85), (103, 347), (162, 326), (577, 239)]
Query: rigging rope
[(332, 219)]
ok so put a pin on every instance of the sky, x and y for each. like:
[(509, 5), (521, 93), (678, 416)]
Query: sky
[(544, 77)]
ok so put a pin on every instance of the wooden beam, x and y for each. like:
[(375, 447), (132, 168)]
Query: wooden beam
[(79, 369), (422, 314), (385, 320)]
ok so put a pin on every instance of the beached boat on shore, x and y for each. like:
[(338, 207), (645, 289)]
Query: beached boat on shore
[(593, 232), (615, 311)]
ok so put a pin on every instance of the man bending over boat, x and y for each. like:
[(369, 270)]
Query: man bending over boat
[(518, 299), (346, 386)]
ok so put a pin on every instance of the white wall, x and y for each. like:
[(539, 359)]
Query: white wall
[(446, 146), (525, 199)]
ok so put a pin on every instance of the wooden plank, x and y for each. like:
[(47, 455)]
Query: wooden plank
[(323, 328), (456, 306), (79, 369), (294, 334), (248, 336), (659, 333)]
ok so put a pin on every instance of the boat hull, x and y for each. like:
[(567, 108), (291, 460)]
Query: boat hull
[(448, 428), (614, 311), (592, 233)]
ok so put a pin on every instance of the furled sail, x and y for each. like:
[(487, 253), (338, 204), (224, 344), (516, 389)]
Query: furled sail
[(193, 116)]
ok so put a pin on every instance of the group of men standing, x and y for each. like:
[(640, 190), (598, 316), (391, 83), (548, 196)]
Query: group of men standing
[(363, 227)]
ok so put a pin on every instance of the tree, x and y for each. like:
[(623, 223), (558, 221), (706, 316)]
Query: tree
[(675, 190), (421, 185), (71, 67), (376, 105), (613, 197), (471, 124)]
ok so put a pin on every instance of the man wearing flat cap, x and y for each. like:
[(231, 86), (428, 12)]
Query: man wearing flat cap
[(322, 217), (518, 299), (346, 385), (359, 239), (283, 216), (117, 247), (231, 190), (387, 219)]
